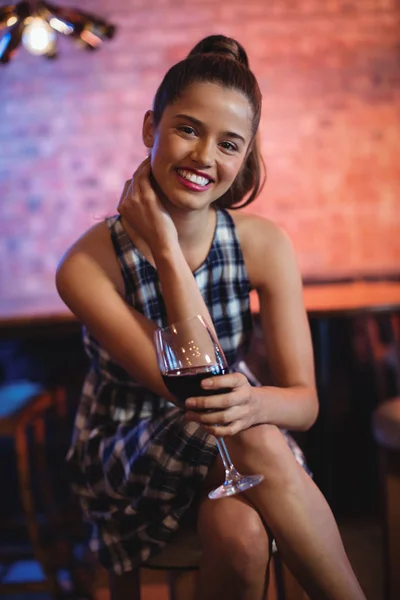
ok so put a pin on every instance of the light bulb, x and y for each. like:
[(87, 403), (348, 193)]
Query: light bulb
[(61, 26), (38, 37), (11, 21)]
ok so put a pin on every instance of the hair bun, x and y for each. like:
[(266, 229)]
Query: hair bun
[(222, 45)]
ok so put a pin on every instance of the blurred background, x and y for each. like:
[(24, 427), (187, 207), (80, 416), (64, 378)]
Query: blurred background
[(70, 136), (329, 73)]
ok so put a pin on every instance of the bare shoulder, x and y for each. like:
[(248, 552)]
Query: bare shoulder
[(92, 254), (267, 250)]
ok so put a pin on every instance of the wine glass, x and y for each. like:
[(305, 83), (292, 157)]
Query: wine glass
[(187, 353)]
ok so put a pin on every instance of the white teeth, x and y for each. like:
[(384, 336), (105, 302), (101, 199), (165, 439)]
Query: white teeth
[(193, 178)]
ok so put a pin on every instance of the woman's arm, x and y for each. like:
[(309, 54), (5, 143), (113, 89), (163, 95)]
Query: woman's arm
[(292, 401), (144, 215), (90, 282)]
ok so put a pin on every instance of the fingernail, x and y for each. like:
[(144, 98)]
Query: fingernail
[(207, 383), (190, 403)]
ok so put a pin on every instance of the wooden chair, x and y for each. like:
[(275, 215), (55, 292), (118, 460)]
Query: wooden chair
[(30, 416), (386, 429)]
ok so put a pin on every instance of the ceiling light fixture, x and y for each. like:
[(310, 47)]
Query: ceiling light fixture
[(35, 25)]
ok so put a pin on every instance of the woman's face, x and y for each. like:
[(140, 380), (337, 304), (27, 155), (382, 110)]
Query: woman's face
[(200, 144)]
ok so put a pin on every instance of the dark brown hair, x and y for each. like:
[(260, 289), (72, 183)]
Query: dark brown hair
[(222, 60)]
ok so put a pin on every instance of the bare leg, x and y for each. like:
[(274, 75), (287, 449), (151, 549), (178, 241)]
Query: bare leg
[(296, 513), (235, 548)]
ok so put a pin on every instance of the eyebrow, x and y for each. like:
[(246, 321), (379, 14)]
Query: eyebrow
[(195, 121)]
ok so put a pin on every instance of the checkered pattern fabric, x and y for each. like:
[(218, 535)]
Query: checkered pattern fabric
[(136, 463)]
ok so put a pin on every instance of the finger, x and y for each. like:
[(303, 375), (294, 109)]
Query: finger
[(230, 380), (223, 417), (140, 177), (124, 194), (144, 182), (143, 168), (146, 161), (216, 402), (224, 430)]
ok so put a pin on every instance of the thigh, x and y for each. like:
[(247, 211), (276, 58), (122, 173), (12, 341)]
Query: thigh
[(267, 450), (264, 442)]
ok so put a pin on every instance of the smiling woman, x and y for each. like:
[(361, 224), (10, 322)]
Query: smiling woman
[(201, 142), (174, 251)]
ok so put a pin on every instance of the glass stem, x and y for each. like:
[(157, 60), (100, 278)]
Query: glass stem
[(230, 471)]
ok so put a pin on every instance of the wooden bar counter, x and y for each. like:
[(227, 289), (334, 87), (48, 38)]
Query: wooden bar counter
[(319, 299)]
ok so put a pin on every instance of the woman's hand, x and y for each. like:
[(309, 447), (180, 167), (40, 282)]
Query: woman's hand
[(226, 413), (141, 209)]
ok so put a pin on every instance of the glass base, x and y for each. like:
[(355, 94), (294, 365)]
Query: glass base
[(235, 486)]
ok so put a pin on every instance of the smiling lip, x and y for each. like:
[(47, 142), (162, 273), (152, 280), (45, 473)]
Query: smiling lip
[(195, 172), (190, 185)]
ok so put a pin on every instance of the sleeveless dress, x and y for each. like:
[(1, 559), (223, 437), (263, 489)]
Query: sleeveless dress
[(136, 464)]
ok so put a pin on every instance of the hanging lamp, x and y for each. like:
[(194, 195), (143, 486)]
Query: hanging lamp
[(36, 24)]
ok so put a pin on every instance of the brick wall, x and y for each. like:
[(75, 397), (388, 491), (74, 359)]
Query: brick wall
[(330, 76)]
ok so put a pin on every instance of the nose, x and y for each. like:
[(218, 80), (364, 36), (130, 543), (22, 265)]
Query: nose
[(203, 153)]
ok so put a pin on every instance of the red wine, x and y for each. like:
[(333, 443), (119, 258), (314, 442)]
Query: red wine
[(185, 383)]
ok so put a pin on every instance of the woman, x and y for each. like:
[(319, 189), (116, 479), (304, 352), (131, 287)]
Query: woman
[(175, 251)]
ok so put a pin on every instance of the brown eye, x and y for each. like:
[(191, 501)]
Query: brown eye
[(187, 129), (230, 146)]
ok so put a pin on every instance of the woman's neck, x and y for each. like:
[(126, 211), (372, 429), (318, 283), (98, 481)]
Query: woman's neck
[(195, 228), (195, 234)]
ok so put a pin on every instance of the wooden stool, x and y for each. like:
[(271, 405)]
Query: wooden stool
[(180, 559)]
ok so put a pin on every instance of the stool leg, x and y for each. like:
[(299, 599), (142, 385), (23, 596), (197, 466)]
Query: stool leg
[(278, 576), (171, 579), (61, 402), (125, 586), (137, 594)]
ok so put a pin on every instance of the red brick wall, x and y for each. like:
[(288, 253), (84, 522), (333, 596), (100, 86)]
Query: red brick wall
[(330, 76)]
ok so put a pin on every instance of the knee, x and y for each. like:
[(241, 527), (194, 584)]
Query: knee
[(264, 438), (264, 447), (239, 548)]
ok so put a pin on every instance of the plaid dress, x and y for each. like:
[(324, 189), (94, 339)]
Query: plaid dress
[(136, 463)]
